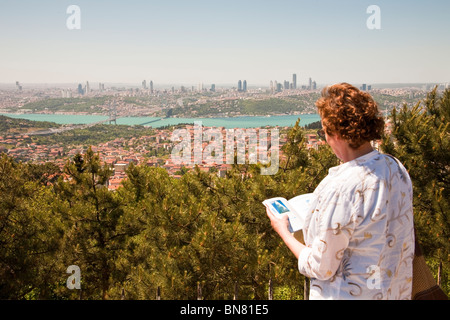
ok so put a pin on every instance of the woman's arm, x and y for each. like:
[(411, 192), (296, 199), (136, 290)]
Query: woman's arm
[(281, 226)]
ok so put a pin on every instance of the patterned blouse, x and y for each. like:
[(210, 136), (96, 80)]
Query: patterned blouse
[(359, 233)]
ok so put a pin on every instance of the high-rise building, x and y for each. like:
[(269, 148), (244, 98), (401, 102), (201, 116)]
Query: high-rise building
[(213, 88), (239, 85), (363, 87), (294, 81), (244, 86), (144, 84), (286, 85), (271, 86), (66, 93), (151, 86), (88, 90), (310, 84), (279, 87), (80, 89)]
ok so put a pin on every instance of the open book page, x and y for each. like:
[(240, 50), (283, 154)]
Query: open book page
[(301, 204)]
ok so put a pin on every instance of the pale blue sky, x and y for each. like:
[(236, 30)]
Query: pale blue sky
[(187, 42)]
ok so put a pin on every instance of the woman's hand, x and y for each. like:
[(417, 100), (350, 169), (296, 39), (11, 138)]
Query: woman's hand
[(280, 225)]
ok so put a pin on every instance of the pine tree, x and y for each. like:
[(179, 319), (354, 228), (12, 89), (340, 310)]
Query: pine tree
[(93, 217), (30, 233), (295, 148)]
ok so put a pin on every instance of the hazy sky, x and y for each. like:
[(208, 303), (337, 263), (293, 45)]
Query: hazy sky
[(187, 42)]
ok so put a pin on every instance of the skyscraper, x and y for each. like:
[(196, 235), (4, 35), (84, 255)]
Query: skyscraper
[(66, 93), (144, 84), (294, 81), (80, 89), (239, 85), (279, 87), (151, 86), (244, 87)]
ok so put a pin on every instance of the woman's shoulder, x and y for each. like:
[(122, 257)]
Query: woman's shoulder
[(363, 173), (387, 167)]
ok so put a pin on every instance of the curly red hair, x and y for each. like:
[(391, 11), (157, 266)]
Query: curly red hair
[(350, 113)]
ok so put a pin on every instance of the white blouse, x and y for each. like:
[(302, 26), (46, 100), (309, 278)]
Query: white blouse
[(360, 233)]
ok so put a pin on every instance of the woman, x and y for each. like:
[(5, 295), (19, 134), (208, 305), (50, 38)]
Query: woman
[(359, 234)]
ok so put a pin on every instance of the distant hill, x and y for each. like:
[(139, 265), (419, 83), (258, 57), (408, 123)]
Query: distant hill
[(13, 126)]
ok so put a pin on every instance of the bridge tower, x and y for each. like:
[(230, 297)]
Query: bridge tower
[(112, 112)]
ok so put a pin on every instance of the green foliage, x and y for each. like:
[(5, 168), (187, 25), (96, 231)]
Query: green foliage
[(95, 234), (268, 106), (10, 125), (30, 234), (294, 149), (86, 104), (314, 126)]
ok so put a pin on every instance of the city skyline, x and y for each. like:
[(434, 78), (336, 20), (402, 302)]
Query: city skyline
[(212, 42), (311, 84)]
